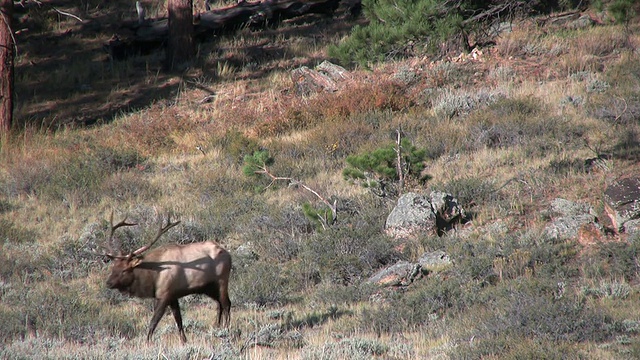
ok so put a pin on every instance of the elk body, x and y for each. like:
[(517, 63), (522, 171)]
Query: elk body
[(170, 272)]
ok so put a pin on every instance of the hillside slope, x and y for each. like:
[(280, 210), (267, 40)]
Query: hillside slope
[(506, 130)]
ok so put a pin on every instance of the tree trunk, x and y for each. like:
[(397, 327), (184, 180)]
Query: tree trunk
[(7, 52), (180, 49), (152, 34)]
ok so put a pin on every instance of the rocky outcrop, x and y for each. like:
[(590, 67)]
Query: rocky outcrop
[(415, 213), (622, 204), (434, 260), (403, 273), (571, 220), (325, 77)]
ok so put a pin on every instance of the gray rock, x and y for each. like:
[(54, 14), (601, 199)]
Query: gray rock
[(404, 273), (413, 213), (622, 202), (632, 227), (308, 81), (567, 227), (418, 213), (571, 216), (566, 207), (400, 274), (582, 22), (434, 259), (333, 71)]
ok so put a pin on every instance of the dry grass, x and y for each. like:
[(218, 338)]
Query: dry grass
[(510, 157)]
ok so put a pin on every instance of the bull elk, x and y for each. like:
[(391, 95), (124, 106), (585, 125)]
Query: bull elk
[(170, 272)]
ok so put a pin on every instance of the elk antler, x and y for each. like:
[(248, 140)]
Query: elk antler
[(161, 230), (113, 229)]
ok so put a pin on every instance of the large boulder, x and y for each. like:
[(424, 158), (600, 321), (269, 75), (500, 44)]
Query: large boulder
[(404, 273), (564, 207), (632, 227), (400, 274), (571, 220), (434, 260), (415, 213), (622, 202), (325, 77)]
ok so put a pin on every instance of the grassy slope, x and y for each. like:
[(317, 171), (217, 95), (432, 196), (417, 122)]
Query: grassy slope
[(544, 100)]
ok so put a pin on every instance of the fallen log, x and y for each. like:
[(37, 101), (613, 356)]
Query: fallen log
[(149, 34)]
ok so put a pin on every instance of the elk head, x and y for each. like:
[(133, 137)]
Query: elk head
[(121, 275)]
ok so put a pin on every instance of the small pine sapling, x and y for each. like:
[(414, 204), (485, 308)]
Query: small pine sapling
[(380, 169)]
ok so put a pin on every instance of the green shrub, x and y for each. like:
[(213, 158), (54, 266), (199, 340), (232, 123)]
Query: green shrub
[(129, 186), (377, 168), (237, 145), (510, 347), (255, 162), (320, 217), (401, 28), (344, 254), (623, 11), (612, 260), (10, 233), (262, 283), (424, 302), (269, 241), (350, 348), (119, 159), (66, 312), (329, 293), (13, 323), (471, 190), (392, 25), (223, 215), (450, 104)]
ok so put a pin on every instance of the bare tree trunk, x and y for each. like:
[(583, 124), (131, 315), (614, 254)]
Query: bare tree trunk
[(399, 164), (180, 49), (7, 53)]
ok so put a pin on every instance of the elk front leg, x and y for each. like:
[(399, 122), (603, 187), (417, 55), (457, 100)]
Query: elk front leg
[(158, 310), (175, 309)]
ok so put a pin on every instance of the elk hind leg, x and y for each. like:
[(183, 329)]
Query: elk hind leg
[(224, 309), (222, 298), (175, 309)]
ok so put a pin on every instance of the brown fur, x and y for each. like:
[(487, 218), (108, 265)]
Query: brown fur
[(173, 271)]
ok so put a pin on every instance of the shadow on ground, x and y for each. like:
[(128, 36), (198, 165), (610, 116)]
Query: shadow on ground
[(64, 78)]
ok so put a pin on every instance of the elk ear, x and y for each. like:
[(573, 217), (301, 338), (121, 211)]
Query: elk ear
[(135, 262)]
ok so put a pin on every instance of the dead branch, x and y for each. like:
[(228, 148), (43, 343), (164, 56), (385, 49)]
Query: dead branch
[(293, 182)]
